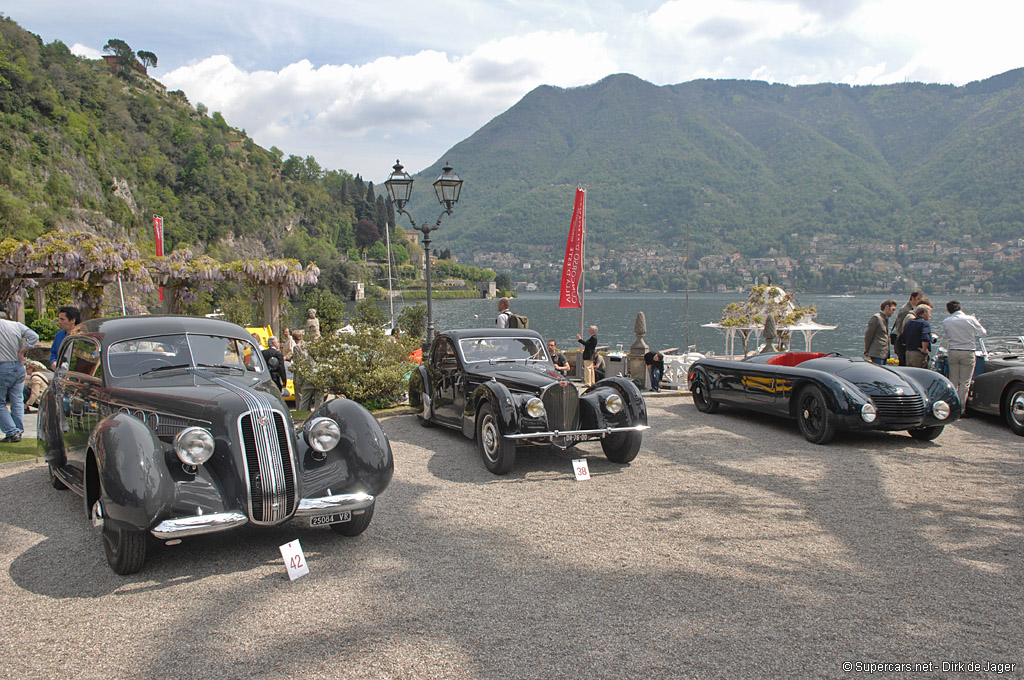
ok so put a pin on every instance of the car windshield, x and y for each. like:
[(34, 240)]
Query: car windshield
[(502, 349), (152, 355)]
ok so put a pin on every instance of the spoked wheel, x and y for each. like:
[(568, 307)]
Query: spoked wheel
[(817, 423), (1013, 407), (499, 454), (357, 524), (701, 395), (622, 447), (926, 434)]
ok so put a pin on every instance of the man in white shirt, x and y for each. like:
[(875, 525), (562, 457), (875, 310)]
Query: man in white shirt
[(960, 330)]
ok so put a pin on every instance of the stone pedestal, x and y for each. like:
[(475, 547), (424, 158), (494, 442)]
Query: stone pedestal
[(635, 358)]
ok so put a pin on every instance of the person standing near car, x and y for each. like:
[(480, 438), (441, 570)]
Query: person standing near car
[(917, 337), (275, 362), (876, 338), (901, 319), (558, 359), (961, 330), (67, 318), (504, 313), (589, 350), (15, 340)]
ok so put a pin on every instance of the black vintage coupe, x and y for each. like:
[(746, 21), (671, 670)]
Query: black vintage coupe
[(171, 427), (501, 388), (998, 386), (826, 392)]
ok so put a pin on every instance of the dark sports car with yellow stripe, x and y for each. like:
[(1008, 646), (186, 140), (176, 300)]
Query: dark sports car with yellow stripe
[(828, 392), (171, 427)]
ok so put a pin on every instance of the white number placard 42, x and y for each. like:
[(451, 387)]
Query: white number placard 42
[(581, 469), (294, 560)]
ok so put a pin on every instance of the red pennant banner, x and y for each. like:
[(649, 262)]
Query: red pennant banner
[(572, 267)]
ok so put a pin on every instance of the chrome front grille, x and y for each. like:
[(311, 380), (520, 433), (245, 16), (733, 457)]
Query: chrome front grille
[(562, 404), (899, 409), (268, 466)]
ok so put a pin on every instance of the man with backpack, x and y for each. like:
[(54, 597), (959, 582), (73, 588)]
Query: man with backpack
[(506, 319)]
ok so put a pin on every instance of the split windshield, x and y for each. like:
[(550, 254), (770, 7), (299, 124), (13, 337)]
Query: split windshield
[(502, 349), (145, 356)]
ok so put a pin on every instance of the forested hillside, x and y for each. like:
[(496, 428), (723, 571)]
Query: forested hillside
[(745, 165), (82, 148)]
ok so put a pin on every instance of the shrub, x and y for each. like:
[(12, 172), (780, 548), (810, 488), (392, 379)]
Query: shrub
[(46, 328), (366, 366)]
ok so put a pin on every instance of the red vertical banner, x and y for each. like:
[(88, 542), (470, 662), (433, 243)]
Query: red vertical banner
[(158, 235), (572, 267)]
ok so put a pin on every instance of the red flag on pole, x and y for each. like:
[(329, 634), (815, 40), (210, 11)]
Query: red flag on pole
[(158, 235), (572, 267)]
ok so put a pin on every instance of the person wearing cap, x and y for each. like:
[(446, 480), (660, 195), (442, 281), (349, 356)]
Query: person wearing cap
[(37, 380)]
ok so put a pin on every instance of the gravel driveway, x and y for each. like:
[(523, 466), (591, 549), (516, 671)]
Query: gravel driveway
[(729, 548)]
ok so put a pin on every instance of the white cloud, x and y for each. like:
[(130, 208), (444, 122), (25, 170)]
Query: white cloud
[(429, 93), (81, 50)]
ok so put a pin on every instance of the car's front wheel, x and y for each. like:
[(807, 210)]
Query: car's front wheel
[(125, 548), (622, 447), (926, 434), (356, 525), (817, 423), (701, 394), (499, 454), (1013, 407)]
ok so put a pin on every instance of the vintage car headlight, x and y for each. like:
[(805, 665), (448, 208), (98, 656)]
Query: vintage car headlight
[(535, 408), (940, 409), (613, 403), (868, 412), (194, 445), (323, 434)]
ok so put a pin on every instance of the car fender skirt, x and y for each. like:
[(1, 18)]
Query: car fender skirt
[(136, 488)]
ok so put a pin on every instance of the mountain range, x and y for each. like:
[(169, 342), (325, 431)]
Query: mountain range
[(743, 165), (740, 166)]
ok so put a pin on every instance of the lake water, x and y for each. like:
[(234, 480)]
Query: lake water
[(615, 314)]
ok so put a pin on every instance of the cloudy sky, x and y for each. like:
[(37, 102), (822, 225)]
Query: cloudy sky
[(358, 84)]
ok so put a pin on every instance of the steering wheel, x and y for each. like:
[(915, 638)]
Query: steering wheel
[(834, 354)]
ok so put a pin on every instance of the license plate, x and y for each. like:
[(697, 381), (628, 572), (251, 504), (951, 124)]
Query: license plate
[(574, 438), (336, 518)]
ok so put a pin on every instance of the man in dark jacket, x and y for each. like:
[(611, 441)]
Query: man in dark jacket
[(589, 349), (275, 362), (655, 368), (917, 337)]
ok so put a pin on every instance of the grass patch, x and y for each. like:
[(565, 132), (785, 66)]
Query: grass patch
[(23, 450)]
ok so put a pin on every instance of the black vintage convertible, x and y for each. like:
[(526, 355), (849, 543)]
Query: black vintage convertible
[(825, 392), (171, 427), (500, 387)]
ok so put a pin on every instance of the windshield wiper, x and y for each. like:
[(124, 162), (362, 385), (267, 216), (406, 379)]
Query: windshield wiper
[(161, 368), (221, 366)]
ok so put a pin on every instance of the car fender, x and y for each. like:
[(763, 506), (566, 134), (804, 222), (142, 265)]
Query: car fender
[(842, 397), (418, 384), (362, 460), (48, 435), (130, 462), (934, 386), (592, 416), (502, 402)]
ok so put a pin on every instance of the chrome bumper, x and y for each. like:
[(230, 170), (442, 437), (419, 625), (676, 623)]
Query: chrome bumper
[(560, 433), (181, 527), (326, 505), (198, 524)]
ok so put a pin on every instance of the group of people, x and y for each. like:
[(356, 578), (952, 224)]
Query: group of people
[(911, 338), (593, 361)]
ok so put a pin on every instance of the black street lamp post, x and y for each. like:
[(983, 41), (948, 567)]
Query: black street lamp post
[(447, 187)]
